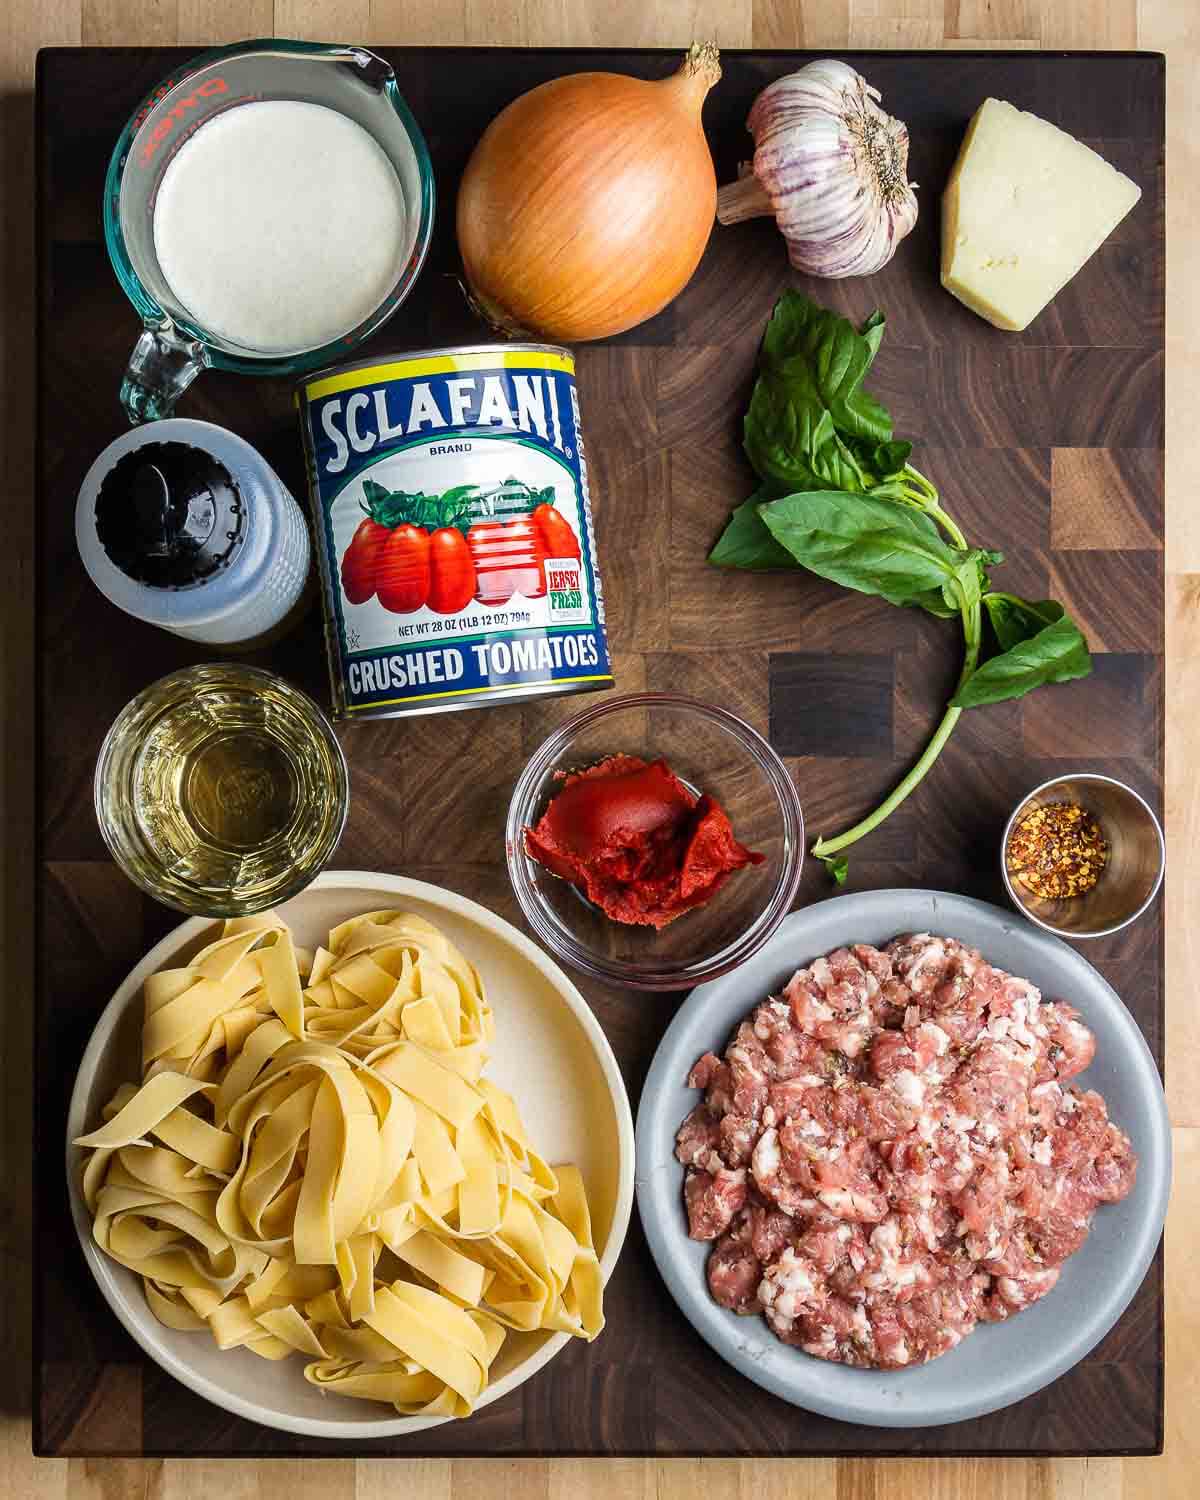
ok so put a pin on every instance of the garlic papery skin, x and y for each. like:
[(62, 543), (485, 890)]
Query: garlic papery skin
[(833, 169)]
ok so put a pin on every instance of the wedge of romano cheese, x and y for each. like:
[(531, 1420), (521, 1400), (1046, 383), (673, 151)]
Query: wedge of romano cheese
[(1026, 205)]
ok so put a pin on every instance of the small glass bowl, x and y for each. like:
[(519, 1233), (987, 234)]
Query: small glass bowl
[(1132, 875), (712, 752), (221, 790)]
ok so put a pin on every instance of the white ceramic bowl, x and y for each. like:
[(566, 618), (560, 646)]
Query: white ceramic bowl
[(549, 1052)]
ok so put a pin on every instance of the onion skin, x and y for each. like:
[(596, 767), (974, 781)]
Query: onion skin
[(588, 202)]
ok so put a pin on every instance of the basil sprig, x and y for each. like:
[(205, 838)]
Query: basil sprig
[(839, 497)]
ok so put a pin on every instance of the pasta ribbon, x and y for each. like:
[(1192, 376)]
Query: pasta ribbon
[(314, 1164)]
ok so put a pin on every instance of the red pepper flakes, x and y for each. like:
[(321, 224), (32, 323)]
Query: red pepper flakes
[(1057, 851)]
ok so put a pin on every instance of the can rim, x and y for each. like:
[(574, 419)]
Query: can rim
[(310, 377)]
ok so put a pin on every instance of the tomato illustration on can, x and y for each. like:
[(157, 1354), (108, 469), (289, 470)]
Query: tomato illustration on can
[(407, 566), (360, 562), (452, 571), (508, 557), (558, 540), (403, 571)]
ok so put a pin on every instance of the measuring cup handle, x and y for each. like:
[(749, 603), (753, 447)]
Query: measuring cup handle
[(160, 369)]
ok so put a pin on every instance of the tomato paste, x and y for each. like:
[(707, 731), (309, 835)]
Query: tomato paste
[(636, 841)]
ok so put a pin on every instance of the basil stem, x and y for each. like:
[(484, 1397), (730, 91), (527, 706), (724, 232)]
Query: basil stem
[(926, 496), (973, 635)]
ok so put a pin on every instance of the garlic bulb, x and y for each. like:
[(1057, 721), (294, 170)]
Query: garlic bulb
[(831, 166)]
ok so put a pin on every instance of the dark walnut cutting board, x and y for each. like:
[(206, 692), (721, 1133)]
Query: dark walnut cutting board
[(1047, 444)]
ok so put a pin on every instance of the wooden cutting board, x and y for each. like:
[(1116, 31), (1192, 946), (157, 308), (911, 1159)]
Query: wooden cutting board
[(1047, 444)]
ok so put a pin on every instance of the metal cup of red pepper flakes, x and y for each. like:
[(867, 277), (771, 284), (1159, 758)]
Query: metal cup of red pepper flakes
[(453, 530), (1057, 851)]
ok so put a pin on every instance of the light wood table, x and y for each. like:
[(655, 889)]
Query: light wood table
[(1172, 26)]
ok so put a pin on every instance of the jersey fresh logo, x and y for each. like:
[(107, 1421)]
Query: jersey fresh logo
[(179, 111), (566, 593), (563, 585)]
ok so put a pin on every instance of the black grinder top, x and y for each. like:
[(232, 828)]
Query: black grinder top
[(170, 515)]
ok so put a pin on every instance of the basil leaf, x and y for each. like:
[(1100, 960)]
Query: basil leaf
[(809, 425), (1057, 653), (786, 327), (974, 578), (746, 541), (836, 359), (970, 575), (454, 507), (945, 603), (886, 460), (453, 498), (987, 559), (1014, 620), (837, 867), (863, 543), (872, 331), (381, 504), (790, 437), (838, 467), (934, 602), (785, 427)]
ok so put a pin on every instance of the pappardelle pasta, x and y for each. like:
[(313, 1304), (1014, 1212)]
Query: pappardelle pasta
[(315, 1164)]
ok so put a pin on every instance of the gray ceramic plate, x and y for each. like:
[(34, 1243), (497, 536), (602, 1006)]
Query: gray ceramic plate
[(998, 1363)]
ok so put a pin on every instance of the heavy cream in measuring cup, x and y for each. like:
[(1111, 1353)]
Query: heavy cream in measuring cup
[(280, 225)]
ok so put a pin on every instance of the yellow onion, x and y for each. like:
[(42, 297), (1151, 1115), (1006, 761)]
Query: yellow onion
[(587, 204)]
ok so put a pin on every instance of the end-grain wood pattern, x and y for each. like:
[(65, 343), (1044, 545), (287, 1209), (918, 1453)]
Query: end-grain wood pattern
[(1047, 444)]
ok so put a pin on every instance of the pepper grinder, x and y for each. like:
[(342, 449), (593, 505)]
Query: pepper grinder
[(184, 525)]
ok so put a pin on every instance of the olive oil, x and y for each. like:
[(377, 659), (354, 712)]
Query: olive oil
[(221, 790)]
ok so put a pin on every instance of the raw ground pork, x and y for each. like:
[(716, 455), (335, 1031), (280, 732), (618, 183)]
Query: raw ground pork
[(890, 1152)]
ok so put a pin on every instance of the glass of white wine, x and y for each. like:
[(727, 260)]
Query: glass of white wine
[(221, 790)]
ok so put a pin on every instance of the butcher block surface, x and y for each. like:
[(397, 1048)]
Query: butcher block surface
[(1045, 444)]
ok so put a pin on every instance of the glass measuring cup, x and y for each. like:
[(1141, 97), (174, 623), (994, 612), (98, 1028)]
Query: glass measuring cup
[(173, 347)]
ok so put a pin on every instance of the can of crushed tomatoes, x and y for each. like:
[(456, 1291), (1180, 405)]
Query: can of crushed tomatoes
[(454, 530)]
